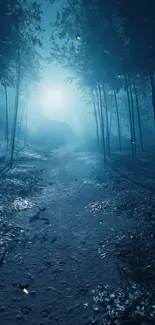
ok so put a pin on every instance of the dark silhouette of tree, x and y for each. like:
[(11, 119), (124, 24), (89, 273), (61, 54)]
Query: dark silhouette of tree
[(20, 38), (109, 46), (27, 28)]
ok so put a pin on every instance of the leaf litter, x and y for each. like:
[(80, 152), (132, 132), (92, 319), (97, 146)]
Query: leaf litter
[(15, 188), (133, 251)]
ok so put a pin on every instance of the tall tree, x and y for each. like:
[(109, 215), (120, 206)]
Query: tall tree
[(118, 119), (100, 41), (27, 29), (138, 114)]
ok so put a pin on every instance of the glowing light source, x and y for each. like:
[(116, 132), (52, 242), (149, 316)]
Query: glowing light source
[(25, 291), (54, 100), (78, 38), (52, 96)]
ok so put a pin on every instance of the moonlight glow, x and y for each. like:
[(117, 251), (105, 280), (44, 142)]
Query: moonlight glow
[(52, 96), (54, 100)]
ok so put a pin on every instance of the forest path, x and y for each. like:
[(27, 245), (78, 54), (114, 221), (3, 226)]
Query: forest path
[(67, 251)]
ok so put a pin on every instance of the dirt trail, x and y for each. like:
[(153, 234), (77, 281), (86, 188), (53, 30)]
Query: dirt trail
[(62, 259)]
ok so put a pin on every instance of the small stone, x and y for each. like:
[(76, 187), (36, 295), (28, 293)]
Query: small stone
[(43, 209), (78, 306), (57, 272), (54, 240), (83, 292), (2, 309), (87, 285), (19, 317), (15, 299), (96, 309), (25, 310), (14, 284), (48, 288), (33, 293), (64, 282), (45, 313)]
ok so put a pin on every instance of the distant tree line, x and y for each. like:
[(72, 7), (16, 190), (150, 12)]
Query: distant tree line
[(110, 46), (20, 39)]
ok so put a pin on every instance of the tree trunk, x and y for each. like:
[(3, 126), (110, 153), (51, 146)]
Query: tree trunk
[(110, 124), (20, 126), (98, 104), (25, 139), (152, 89), (16, 107), (138, 115), (107, 121), (102, 123), (96, 122), (118, 120), (130, 115), (6, 117)]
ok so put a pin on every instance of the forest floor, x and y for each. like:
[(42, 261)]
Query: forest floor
[(77, 242)]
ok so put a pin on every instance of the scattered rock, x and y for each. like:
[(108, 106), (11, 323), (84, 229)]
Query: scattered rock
[(25, 310), (64, 282), (46, 220), (82, 292), (50, 288), (2, 309), (45, 313), (57, 272), (48, 264), (53, 240), (19, 317), (42, 209), (33, 293), (69, 310), (23, 286), (44, 238)]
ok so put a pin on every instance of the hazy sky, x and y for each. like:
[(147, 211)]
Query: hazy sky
[(56, 76), (58, 100)]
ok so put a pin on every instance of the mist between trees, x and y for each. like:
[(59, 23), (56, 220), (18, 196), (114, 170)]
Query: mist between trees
[(108, 50)]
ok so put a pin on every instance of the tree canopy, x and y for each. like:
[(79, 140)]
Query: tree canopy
[(108, 46)]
